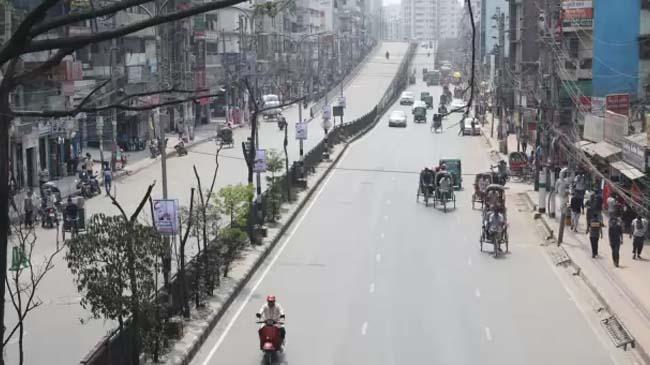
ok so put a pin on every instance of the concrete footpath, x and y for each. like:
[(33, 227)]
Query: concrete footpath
[(623, 290)]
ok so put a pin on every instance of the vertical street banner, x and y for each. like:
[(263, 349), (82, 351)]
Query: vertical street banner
[(598, 106), (166, 216), (260, 161), (615, 128), (301, 131)]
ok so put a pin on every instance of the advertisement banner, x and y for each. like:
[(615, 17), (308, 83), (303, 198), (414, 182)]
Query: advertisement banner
[(260, 161), (577, 14), (166, 216), (301, 131), (618, 103), (598, 106), (615, 128)]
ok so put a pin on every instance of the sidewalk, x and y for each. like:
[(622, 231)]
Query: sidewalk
[(136, 161), (624, 289)]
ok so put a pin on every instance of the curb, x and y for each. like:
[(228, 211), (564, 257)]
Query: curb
[(594, 290), (260, 260)]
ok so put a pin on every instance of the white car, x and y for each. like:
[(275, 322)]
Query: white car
[(407, 98), (397, 118), (457, 103), (270, 101)]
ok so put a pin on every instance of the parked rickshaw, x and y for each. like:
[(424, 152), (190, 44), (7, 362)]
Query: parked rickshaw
[(518, 164), (444, 190), (224, 138), (454, 166), (481, 183), (419, 112), (494, 228)]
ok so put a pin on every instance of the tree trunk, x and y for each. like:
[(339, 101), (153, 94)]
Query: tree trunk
[(186, 304), (5, 123), (286, 162), (135, 307), (21, 333)]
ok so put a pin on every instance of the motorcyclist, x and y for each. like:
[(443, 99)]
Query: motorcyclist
[(387, 55), (272, 310)]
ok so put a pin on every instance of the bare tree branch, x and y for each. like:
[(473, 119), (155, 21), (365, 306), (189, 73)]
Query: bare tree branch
[(45, 66), (75, 18), (135, 214), (80, 109), (84, 40), (90, 94)]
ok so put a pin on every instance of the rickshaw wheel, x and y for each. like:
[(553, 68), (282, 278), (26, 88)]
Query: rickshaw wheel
[(495, 242)]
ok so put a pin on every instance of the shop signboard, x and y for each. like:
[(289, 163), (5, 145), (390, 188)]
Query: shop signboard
[(634, 150), (618, 103), (577, 14), (615, 128)]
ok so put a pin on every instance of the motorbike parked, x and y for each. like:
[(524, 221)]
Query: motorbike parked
[(180, 149), (88, 185), (270, 340), (501, 176), (153, 149), (49, 217)]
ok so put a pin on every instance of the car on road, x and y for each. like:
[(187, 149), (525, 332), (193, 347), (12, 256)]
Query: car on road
[(397, 119), (457, 103), (407, 98), (271, 101)]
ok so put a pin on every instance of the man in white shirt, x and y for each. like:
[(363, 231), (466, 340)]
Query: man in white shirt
[(272, 310), (639, 228)]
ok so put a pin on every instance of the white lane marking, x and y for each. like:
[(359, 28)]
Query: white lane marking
[(382, 235), (372, 288), (378, 257), (364, 328), (469, 261), (478, 293), (266, 271), (488, 334)]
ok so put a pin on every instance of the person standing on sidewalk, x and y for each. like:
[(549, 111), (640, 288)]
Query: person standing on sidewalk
[(524, 143), (28, 208), (639, 228), (577, 208), (615, 238), (108, 179), (595, 233)]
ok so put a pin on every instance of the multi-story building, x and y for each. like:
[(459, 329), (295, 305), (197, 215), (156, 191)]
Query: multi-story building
[(420, 19), (392, 24), (449, 15)]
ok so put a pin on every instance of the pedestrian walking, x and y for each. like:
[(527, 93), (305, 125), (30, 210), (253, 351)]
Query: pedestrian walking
[(108, 179), (28, 208), (577, 207), (627, 216), (639, 228), (579, 185), (524, 143), (595, 233), (615, 238), (461, 131)]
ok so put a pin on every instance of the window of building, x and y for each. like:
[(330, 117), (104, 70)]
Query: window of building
[(644, 47)]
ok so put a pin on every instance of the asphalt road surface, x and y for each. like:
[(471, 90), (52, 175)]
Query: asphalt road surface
[(370, 276), (54, 330)]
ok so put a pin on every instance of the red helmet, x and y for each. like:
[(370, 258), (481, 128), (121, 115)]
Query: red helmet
[(270, 298)]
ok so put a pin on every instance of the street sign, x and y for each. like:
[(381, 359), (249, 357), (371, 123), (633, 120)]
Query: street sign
[(301, 131), (260, 161), (166, 216), (342, 101), (337, 111)]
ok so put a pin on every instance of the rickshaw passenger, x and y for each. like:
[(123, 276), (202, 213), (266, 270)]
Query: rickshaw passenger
[(426, 179)]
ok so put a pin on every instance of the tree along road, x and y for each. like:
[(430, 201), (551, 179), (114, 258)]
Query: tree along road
[(370, 276), (54, 330)]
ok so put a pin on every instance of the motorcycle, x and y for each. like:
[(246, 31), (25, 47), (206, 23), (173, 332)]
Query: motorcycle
[(180, 149), (154, 150), (88, 185), (270, 340), (49, 217)]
